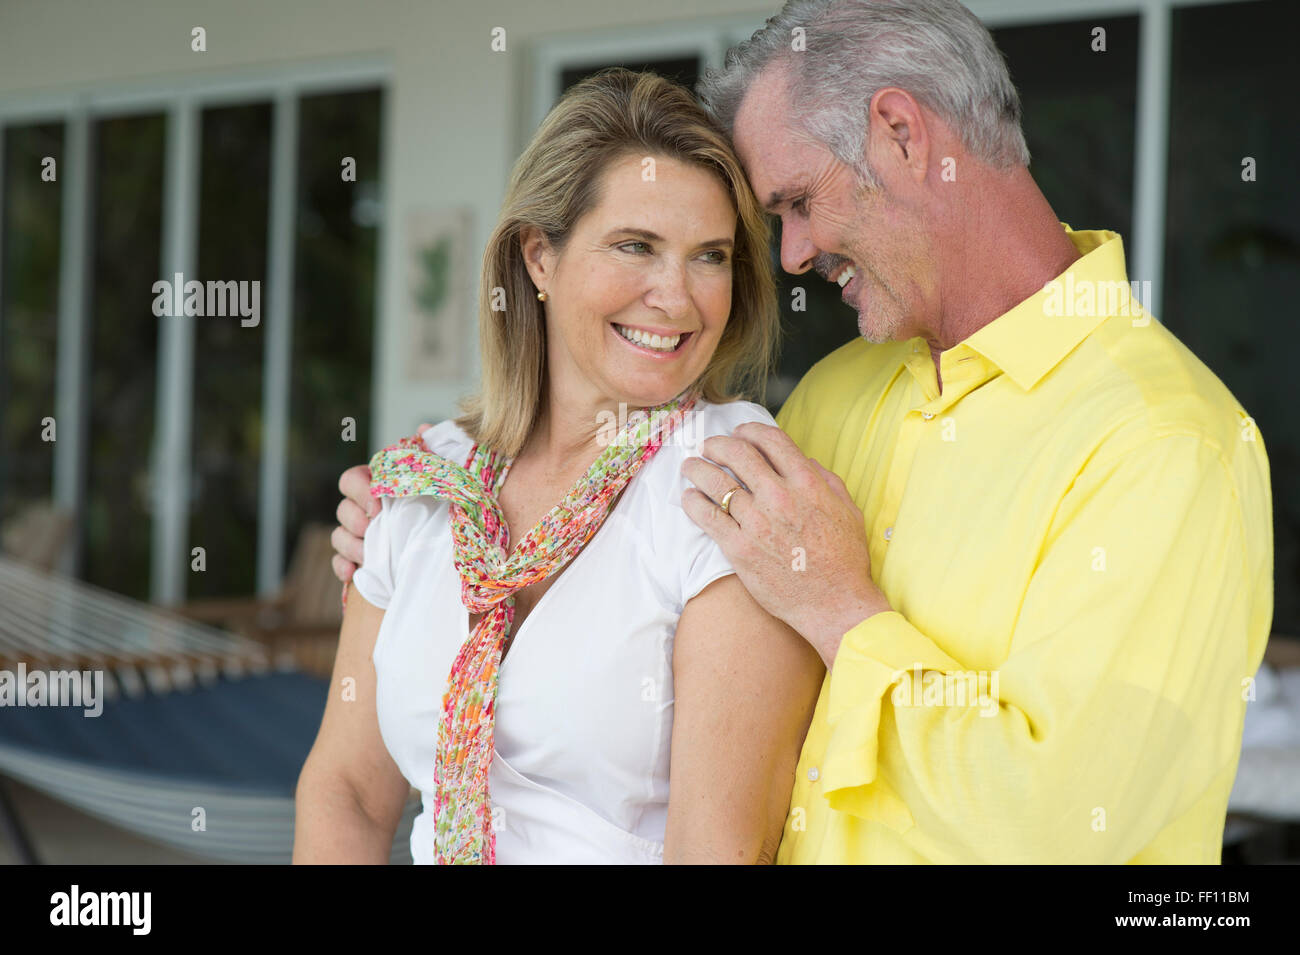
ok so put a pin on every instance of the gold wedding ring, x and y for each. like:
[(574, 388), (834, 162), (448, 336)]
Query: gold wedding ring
[(726, 500)]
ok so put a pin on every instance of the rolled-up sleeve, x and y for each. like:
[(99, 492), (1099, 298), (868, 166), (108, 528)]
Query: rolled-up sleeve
[(1120, 700)]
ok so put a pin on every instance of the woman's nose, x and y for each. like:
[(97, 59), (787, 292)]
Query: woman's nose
[(671, 292)]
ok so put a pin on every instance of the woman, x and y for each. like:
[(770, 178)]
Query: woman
[(626, 296)]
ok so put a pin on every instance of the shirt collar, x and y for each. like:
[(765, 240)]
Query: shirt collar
[(1031, 339)]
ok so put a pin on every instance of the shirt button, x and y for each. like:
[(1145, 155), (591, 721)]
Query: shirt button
[(926, 415), (889, 533), (813, 774)]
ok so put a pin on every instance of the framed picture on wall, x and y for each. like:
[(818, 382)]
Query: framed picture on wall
[(438, 299)]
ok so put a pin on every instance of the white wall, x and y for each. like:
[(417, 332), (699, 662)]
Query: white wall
[(457, 110)]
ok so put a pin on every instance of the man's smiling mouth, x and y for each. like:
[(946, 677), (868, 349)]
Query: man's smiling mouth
[(845, 275)]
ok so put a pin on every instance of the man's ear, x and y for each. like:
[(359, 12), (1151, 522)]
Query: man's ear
[(539, 257), (897, 133)]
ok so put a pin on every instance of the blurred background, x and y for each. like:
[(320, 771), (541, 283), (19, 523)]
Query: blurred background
[(176, 476)]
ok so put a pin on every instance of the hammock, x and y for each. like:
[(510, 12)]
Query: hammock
[(200, 740)]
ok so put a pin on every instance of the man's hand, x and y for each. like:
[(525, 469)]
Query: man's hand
[(793, 533), (354, 513)]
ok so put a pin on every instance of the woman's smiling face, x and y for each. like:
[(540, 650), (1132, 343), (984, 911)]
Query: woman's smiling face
[(653, 258)]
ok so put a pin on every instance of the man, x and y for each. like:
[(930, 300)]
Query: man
[(1026, 529)]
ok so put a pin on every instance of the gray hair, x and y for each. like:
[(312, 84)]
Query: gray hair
[(937, 50)]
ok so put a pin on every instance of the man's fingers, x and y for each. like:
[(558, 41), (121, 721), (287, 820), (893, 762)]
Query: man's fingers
[(742, 459), (777, 446), (351, 517), (343, 569), (349, 546), (721, 527), (354, 484), (836, 483), (713, 483)]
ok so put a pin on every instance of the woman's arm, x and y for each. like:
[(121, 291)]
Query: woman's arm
[(350, 792), (745, 689)]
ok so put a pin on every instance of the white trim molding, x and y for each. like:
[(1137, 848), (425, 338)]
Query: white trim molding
[(72, 347), (172, 452), (1151, 156), (277, 359), (205, 89)]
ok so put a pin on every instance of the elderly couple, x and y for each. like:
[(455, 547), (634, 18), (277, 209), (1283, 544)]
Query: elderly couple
[(721, 638)]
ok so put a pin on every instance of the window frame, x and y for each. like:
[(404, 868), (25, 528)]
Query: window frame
[(710, 38), (182, 99)]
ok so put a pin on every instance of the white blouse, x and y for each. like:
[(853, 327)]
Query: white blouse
[(584, 713)]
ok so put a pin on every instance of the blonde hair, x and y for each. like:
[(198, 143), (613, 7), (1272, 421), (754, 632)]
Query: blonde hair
[(553, 185)]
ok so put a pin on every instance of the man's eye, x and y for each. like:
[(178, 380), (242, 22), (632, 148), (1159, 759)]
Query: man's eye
[(643, 245)]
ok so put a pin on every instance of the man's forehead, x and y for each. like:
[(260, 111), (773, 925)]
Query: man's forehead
[(761, 128), (765, 104)]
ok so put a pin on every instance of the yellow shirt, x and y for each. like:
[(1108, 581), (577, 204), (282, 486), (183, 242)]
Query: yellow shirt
[(1076, 539)]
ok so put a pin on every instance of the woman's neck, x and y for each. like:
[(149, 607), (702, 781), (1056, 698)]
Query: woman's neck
[(571, 432)]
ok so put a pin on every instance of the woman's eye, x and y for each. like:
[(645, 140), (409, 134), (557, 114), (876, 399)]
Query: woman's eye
[(719, 257), (799, 205)]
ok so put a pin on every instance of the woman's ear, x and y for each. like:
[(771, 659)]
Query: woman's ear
[(539, 257)]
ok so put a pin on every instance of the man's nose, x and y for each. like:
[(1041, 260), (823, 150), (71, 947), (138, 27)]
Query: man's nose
[(797, 249)]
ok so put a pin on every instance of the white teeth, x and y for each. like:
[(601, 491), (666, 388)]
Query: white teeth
[(846, 276), (648, 340)]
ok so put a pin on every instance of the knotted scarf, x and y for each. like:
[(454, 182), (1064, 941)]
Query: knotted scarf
[(463, 823)]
